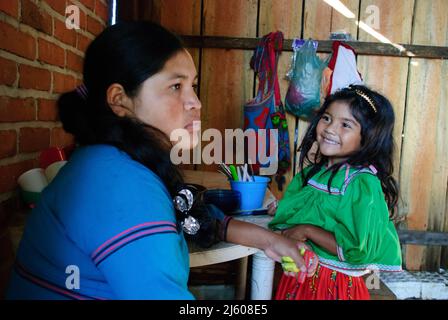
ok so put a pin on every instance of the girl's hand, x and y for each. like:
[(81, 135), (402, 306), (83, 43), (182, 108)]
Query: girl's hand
[(272, 208), (299, 232)]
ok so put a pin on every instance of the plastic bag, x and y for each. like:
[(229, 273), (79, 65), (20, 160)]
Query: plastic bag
[(303, 95)]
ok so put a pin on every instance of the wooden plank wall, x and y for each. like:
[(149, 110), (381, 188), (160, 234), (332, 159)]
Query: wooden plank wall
[(282, 15), (424, 159), (226, 79), (417, 88), (187, 21)]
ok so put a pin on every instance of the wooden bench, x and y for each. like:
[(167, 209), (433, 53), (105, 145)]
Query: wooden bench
[(423, 238)]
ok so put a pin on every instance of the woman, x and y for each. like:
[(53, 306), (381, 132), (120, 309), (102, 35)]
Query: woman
[(109, 216)]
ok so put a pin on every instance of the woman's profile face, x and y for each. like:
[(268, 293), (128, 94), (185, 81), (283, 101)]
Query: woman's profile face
[(168, 100)]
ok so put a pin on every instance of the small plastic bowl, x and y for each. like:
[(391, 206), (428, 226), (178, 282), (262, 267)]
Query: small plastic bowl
[(226, 200), (252, 192)]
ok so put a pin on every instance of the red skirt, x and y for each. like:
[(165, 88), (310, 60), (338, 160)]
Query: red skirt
[(325, 284)]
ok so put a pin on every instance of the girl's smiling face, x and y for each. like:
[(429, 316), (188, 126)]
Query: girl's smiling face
[(168, 100), (338, 133)]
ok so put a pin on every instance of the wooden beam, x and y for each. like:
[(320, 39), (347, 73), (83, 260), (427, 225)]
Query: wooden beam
[(325, 46), (423, 238)]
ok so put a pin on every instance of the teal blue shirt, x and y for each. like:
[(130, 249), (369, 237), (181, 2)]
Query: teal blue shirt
[(113, 219)]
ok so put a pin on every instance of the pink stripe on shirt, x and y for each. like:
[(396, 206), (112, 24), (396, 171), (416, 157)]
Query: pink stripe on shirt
[(132, 237), (146, 224)]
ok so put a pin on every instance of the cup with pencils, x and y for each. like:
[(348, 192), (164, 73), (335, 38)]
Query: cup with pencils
[(252, 187)]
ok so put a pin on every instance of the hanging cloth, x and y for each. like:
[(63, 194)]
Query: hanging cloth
[(342, 70)]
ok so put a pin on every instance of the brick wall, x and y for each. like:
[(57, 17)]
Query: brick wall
[(39, 59)]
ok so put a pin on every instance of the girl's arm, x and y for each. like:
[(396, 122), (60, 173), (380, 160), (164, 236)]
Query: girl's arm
[(274, 245), (319, 236)]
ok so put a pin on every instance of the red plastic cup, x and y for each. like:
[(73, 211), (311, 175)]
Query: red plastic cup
[(51, 155)]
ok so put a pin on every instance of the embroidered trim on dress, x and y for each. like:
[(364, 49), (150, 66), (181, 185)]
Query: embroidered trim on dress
[(340, 253), (359, 267), (333, 190)]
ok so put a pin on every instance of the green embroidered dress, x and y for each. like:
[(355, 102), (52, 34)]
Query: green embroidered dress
[(355, 212)]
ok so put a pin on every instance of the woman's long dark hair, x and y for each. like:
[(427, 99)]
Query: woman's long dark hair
[(127, 53), (377, 146)]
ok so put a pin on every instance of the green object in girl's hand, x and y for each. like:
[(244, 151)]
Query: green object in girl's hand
[(289, 265)]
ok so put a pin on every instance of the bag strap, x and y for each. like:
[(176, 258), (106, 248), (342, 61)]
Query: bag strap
[(276, 46), (264, 62)]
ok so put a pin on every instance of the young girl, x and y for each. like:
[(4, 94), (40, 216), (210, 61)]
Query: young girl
[(340, 203)]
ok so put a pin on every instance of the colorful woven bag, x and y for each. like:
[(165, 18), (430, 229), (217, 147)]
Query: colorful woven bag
[(266, 110)]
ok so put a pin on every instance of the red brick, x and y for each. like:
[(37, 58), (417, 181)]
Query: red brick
[(57, 5), (74, 61), (101, 10), (10, 173), (34, 78), (63, 82), (35, 17), (93, 26), (83, 42), (34, 139), (17, 42), (68, 36), (10, 7), (51, 53), (60, 138), (15, 109), (8, 71), (47, 110), (89, 4), (8, 147), (82, 20)]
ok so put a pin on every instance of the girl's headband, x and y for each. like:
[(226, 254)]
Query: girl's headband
[(365, 97)]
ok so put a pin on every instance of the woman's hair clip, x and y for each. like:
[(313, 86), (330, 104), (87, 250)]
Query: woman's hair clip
[(365, 97), (183, 202), (82, 91)]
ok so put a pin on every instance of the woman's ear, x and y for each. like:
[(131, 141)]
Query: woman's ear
[(119, 101)]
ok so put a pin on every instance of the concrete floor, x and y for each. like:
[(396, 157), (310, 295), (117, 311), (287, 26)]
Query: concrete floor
[(417, 285)]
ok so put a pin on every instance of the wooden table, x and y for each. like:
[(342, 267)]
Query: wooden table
[(262, 266)]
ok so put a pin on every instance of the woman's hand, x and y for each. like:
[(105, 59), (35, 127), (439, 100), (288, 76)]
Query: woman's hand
[(310, 269), (274, 245), (280, 246), (299, 232)]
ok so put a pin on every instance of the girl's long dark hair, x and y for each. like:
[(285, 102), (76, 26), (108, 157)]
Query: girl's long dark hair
[(127, 53), (377, 146)]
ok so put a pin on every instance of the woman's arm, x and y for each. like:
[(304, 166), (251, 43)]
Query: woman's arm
[(274, 245), (319, 236)]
